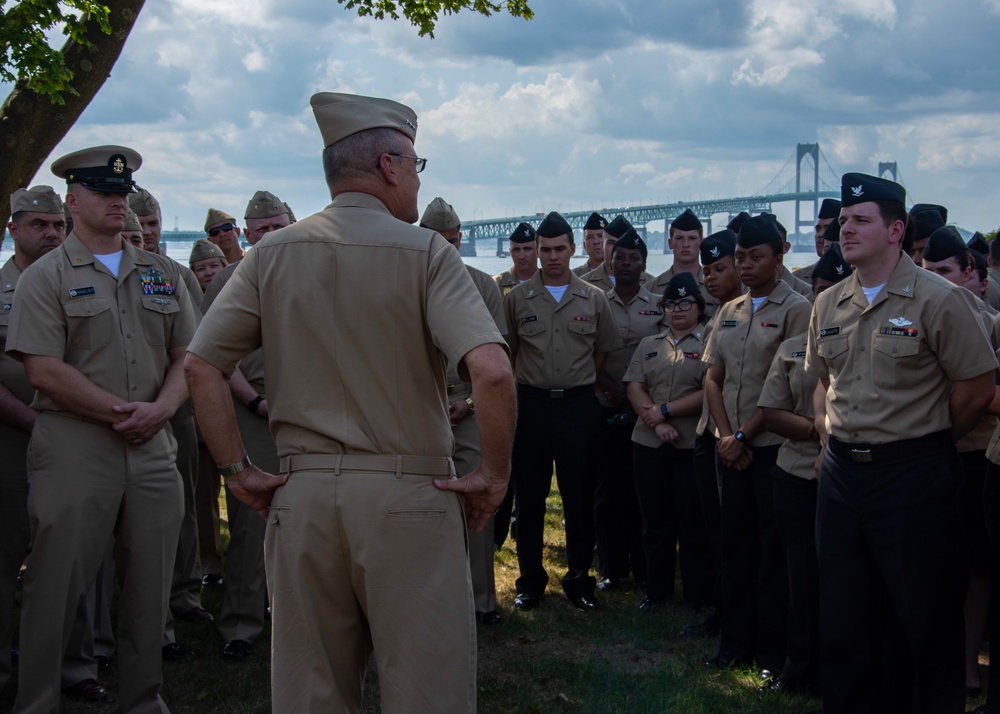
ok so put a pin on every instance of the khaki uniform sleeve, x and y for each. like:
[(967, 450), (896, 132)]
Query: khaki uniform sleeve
[(777, 391), (608, 337), (815, 365), (494, 303), (635, 373), (37, 320), (231, 330), (959, 340), (187, 318)]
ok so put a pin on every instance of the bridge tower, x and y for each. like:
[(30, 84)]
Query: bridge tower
[(887, 167), (802, 151)]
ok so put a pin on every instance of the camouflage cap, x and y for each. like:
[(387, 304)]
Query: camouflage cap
[(143, 203), (203, 250), (440, 216), (37, 199), (105, 169), (265, 205), (215, 217), (341, 115)]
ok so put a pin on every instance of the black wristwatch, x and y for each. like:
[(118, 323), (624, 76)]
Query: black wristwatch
[(254, 404), (740, 436), (665, 410)]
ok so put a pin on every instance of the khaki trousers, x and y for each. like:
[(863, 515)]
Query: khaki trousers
[(83, 480), (363, 561), (206, 506)]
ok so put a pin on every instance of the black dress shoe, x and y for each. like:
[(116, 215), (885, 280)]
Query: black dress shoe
[(175, 653), (89, 690), (197, 614), (524, 601), (237, 650), (648, 604), (585, 603), (102, 659), (769, 675), (775, 686), (211, 580), (607, 584), (490, 619)]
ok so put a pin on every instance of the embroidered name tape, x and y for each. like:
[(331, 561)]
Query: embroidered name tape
[(529, 318), (80, 292), (798, 354), (728, 323), (650, 355), (827, 331)]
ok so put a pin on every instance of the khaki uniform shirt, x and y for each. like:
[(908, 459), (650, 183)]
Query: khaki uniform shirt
[(658, 285), (639, 319), (458, 388), (506, 281), (789, 387), (362, 313), (581, 270), (12, 374), (706, 421), (805, 274), (116, 332), (553, 344), (800, 286), (670, 370), (982, 433), (744, 342), (252, 364), (599, 277), (993, 288), (891, 363)]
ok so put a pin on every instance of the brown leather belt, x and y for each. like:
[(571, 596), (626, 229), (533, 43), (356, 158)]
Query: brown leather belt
[(399, 465)]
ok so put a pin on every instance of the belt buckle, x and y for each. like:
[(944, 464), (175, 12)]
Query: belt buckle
[(452, 388), (557, 393), (861, 456)]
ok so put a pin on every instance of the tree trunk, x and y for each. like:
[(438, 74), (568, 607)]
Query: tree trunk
[(31, 125)]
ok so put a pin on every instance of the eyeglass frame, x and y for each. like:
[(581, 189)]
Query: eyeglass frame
[(677, 303), (421, 164), (221, 229)]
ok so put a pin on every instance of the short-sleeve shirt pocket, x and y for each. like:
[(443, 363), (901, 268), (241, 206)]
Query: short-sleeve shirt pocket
[(893, 363), (157, 318), (88, 323)]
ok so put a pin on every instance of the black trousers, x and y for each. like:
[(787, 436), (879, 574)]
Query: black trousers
[(887, 536), (991, 504), (707, 482), (566, 431), (754, 573), (795, 515), (616, 511), (671, 519)]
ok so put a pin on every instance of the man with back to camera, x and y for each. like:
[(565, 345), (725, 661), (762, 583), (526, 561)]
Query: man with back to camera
[(593, 244), (101, 329), (361, 423), (560, 331), (905, 370), (524, 253), (440, 216)]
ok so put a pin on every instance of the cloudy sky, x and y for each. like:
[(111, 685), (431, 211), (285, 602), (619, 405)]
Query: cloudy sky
[(594, 103)]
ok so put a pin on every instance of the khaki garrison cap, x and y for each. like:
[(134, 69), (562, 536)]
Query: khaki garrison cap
[(288, 210), (341, 115), (215, 217), (37, 199), (440, 216), (203, 250), (264, 205), (143, 203), (105, 169), (132, 224)]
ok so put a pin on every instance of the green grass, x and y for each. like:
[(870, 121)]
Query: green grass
[(553, 659)]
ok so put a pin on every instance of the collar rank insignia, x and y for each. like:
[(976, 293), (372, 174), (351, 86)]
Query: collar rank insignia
[(714, 252), (697, 334), (906, 289), (900, 321), (857, 191)]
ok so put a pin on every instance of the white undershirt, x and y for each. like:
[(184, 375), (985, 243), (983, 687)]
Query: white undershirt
[(111, 261), (557, 291), (757, 302), (872, 293), (612, 279)]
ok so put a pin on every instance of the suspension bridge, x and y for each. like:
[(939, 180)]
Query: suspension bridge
[(806, 179)]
